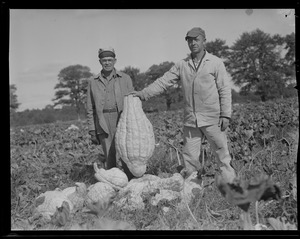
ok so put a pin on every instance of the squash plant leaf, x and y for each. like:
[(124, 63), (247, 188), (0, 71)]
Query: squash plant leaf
[(242, 196)]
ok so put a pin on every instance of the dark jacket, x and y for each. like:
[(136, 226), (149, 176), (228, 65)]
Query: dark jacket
[(96, 98)]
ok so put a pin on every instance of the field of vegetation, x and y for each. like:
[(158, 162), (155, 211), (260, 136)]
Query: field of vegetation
[(263, 140)]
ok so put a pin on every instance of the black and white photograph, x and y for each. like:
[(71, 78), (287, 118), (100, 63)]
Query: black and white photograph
[(153, 120)]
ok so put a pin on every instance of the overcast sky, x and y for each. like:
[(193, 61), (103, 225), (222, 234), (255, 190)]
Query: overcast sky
[(43, 42)]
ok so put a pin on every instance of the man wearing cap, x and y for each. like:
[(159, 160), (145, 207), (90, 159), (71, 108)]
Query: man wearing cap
[(207, 97), (105, 95)]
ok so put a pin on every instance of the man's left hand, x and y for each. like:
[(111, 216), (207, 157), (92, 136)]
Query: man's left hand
[(223, 123)]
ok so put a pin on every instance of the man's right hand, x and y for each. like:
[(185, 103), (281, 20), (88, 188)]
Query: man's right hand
[(94, 138), (138, 94)]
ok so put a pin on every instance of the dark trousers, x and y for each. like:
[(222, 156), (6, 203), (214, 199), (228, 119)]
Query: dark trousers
[(108, 144)]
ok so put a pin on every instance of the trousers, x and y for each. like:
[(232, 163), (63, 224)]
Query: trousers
[(107, 140), (217, 140)]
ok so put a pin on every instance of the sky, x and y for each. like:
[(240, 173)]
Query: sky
[(42, 41)]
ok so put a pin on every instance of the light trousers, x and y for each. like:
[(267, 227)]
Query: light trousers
[(192, 137)]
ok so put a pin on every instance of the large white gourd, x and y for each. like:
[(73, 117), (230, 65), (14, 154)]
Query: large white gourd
[(135, 140)]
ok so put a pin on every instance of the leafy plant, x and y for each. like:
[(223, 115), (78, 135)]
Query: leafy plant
[(263, 139)]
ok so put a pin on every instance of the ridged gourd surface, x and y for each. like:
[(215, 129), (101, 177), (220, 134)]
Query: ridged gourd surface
[(135, 140)]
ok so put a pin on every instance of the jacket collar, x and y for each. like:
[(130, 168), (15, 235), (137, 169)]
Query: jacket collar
[(207, 57), (116, 74)]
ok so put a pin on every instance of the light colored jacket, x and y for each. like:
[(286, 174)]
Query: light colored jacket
[(206, 93), (96, 99)]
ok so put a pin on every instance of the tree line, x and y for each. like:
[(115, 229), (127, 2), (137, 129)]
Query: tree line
[(261, 65)]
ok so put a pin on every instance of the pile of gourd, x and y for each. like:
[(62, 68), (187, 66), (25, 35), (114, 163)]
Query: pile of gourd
[(110, 181), (135, 145)]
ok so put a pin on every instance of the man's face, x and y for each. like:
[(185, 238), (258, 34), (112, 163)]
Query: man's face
[(196, 44), (108, 63)]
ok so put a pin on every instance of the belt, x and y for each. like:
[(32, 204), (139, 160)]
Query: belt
[(110, 110)]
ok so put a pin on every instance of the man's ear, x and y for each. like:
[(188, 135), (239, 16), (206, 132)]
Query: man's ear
[(115, 60)]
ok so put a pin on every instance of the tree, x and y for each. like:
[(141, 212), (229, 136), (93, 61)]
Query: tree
[(289, 41), (290, 57), (49, 107), (256, 65), (138, 79), (13, 101), (72, 87), (173, 94), (236, 97), (218, 48), (290, 91)]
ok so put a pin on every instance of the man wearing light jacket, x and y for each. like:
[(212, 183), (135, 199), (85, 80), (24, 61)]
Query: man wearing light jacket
[(105, 98), (207, 98)]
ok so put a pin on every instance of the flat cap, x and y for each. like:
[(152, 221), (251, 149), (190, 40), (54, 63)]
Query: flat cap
[(106, 52), (194, 32)]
